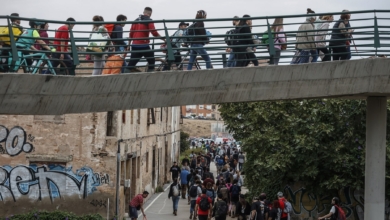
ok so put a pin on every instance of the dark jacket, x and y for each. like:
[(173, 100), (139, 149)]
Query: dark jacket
[(198, 28), (117, 33), (245, 37), (338, 38), (247, 210), (170, 194)]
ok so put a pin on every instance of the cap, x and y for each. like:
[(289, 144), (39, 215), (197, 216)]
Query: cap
[(183, 23), (280, 194)]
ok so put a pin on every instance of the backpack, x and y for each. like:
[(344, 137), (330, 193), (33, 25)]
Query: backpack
[(340, 213), (4, 33), (224, 191), (110, 28), (229, 39), (220, 162), (222, 208), (189, 33), (176, 191), (288, 207), (194, 191), (211, 194), (204, 203), (235, 190), (228, 185), (265, 38)]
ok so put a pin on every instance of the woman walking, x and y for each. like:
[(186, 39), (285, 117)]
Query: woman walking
[(98, 59), (198, 43), (244, 40), (322, 27), (279, 40), (339, 42)]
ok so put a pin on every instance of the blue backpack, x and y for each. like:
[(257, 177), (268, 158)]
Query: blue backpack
[(235, 190), (220, 162), (211, 194)]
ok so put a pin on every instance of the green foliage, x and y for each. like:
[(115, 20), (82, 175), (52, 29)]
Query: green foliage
[(184, 144), (159, 189), (187, 153), (320, 143), (55, 215)]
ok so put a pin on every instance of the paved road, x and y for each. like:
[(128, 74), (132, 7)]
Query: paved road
[(159, 207)]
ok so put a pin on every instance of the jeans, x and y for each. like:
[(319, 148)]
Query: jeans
[(240, 164), (349, 54), (136, 56), (231, 61), (304, 56), (192, 207), (175, 201), (202, 52), (133, 213), (274, 60), (202, 217), (326, 53), (314, 55)]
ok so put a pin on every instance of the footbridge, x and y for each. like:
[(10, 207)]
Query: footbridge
[(363, 76)]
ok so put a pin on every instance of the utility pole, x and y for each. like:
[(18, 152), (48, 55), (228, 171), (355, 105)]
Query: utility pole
[(118, 168)]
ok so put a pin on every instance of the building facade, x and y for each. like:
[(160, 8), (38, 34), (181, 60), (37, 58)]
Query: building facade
[(207, 110), (69, 162)]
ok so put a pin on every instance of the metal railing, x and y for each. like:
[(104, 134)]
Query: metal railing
[(371, 38)]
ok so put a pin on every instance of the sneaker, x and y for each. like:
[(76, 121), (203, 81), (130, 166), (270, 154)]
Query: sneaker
[(191, 216)]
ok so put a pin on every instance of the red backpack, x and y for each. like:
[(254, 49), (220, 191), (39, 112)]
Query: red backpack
[(110, 28), (340, 213)]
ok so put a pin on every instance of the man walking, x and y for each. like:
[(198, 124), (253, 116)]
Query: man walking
[(175, 170), (194, 192), (139, 41), (174, 192), (184, 182), (282, 205), (241, 160), (203, 206), (220, 208), (137, 203)]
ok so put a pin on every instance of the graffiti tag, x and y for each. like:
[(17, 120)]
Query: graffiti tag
[(45, 182), (98, 203), (15, 141)]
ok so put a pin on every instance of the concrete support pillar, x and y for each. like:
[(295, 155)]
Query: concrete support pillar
[(374, 190)]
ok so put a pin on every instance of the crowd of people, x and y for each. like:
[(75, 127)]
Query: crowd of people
[(242, 43), (221, 195)]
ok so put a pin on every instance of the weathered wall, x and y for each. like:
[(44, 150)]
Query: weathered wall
[(69, 162)]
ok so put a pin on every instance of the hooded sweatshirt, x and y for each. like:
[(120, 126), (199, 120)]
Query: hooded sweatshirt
[(139, 32)]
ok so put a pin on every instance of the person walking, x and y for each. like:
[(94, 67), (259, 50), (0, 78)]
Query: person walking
[(99, 59), (197, 44), (322, 27), (243, 40), (339, 42), (282, 206), (175, 170), (251, 49), (231, 60), (139, 41), (259, 209), (241, 160), (305, 41), (194, 192), (184, 182), (275, 212), (235, 191), (137, 203), (176, 43), (203, 206), (243, 209), (336, 212), (174, 192), (5, 41), (220, 208), (117, 34), (279, 41)]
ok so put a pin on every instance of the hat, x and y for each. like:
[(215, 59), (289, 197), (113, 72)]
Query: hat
[(183, 23), (280, 194)]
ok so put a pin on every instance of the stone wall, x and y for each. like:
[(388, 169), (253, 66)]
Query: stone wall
[(68, 162)]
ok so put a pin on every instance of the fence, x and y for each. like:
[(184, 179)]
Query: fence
[(371, 37)]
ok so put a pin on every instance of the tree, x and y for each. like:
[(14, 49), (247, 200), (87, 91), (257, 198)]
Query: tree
[(184, 145), (320, 143)]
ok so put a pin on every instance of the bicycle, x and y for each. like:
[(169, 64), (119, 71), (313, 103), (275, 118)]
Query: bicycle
[(44, 62), (181, 65)]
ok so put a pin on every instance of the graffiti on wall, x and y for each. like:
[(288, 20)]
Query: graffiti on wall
[(307, 205), (47, 182), (13, 142)]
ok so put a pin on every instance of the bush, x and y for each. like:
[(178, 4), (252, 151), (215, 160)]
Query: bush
[(57, 215), (184, 145), (187, 153)]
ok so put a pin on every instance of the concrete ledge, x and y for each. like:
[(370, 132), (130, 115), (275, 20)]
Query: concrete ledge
[(52, 95)]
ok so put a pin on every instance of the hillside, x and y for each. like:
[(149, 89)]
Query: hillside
[(197, 127)]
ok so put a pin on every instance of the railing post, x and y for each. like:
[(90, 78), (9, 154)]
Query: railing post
[(271, 40), (12, 43), (75, 55), (377, 43), (171, 57)]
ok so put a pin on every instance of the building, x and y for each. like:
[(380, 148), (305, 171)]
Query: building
[(206, 110), (69, 162)]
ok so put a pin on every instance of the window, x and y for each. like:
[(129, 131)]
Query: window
[(151, 116), (147, 161), (208, 115), (191, 106), (131, 116), (124, 116), (208, 107), (201, 106), (138, 116), (188, 114), (110, 123), (200, 114)]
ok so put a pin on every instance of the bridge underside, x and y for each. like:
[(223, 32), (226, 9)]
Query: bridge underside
[(27, 94)]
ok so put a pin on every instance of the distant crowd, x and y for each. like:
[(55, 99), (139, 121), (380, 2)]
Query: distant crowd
[(311, 42)]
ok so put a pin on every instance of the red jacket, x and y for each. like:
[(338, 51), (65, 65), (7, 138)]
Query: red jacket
[(282, 206), (139, 32)]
